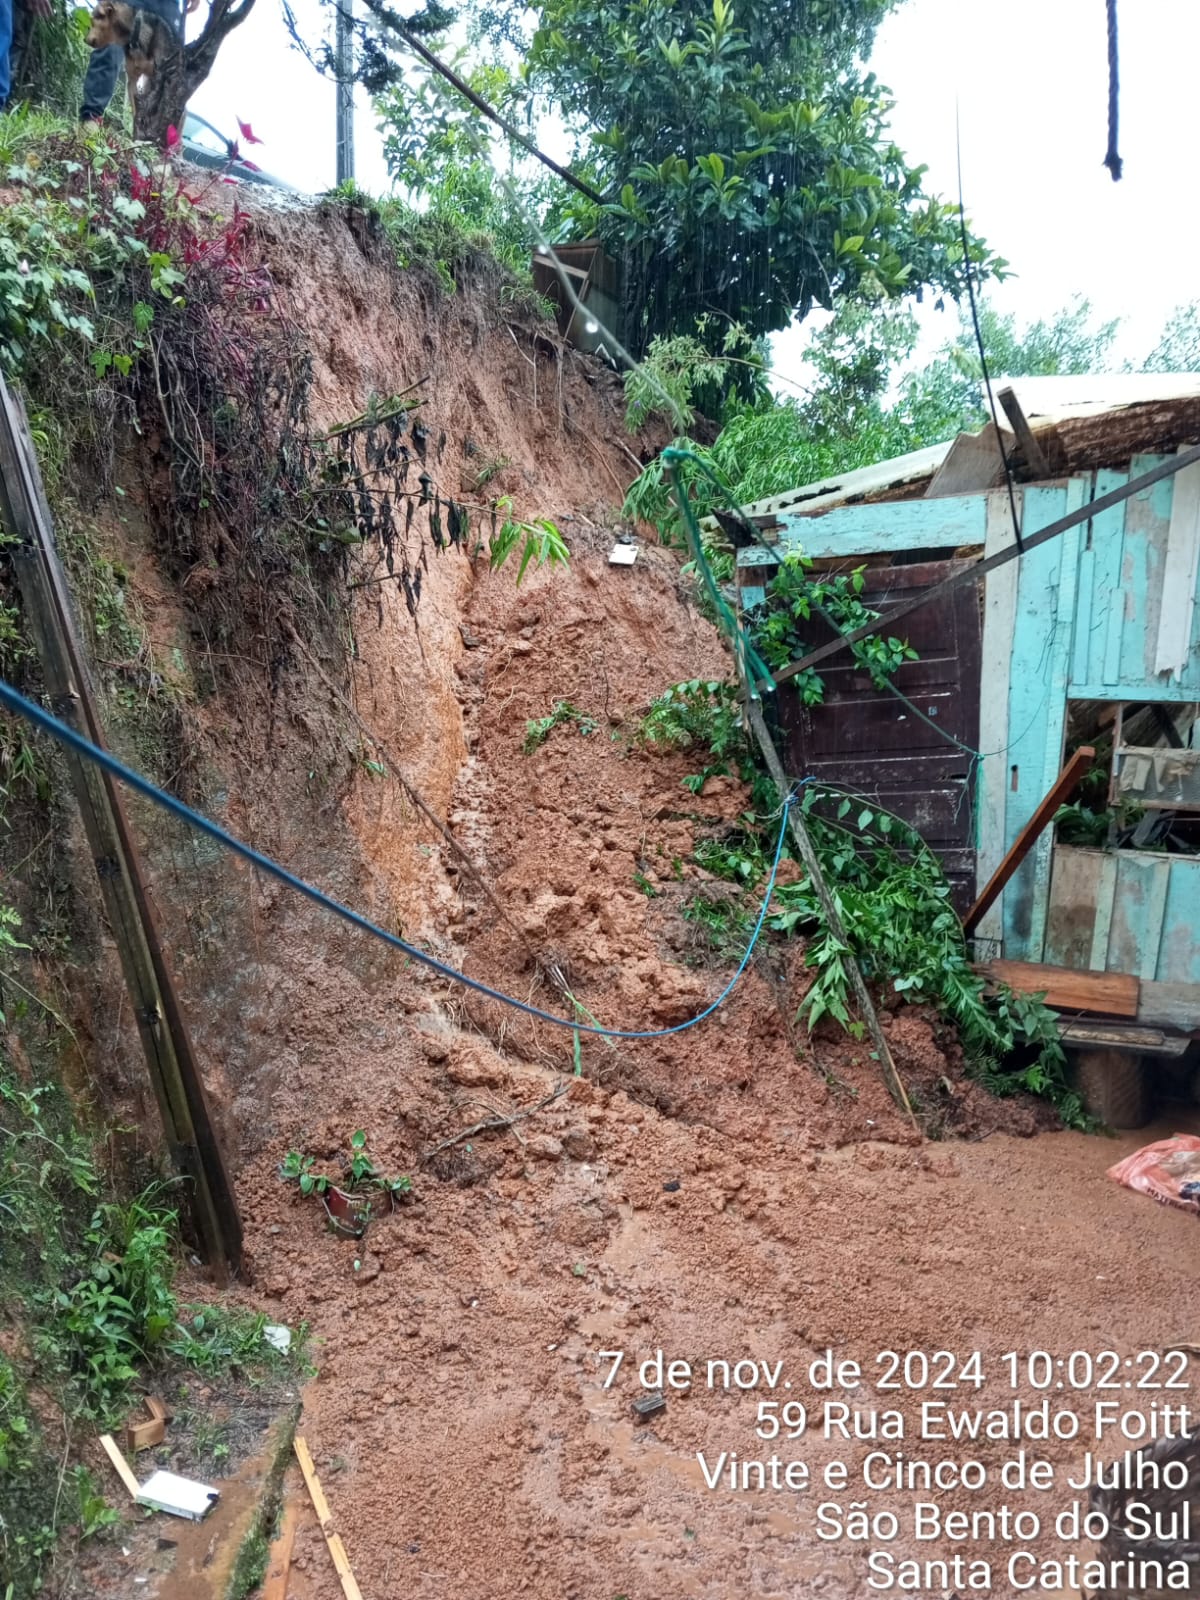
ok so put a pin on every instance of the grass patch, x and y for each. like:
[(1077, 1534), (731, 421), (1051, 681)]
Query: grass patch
[(564, 715), (88, 1309)]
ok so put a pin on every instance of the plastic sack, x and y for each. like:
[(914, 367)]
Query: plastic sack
[(1169, 1171)]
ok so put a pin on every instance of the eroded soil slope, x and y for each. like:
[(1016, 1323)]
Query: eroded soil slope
[(738, 1190)]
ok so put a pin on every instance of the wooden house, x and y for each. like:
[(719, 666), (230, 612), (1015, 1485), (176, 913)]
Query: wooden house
[(1090, 639)]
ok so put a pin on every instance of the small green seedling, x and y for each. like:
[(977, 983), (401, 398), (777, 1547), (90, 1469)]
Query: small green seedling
[(359, 1172)]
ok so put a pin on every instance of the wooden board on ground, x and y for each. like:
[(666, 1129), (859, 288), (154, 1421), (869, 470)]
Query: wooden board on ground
[(1108, 994), (333, 1539), (279, 1562)]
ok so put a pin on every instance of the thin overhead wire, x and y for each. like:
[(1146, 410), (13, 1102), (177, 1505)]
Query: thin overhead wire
[(987, 381)]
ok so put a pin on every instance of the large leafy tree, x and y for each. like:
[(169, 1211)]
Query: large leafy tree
[(738, 156), (746, 157)]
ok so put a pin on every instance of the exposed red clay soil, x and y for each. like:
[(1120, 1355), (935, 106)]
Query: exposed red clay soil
[(467, 1443), (738, 1190)]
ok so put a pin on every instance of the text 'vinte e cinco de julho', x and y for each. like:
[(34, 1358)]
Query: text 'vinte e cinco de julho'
[(1021, 1442)]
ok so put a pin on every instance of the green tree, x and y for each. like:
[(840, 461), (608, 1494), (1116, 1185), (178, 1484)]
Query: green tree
[(748, 158), (846, 420), (441, 152), (1178, 347), (946, 397)]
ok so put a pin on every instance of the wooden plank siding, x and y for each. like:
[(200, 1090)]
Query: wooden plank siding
[(1086, 622), (1000, 603), (1134, 911), (1029, 674), (1102, 613)]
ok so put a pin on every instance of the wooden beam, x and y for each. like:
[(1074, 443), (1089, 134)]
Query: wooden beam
[(1108, 994), (174, 1072), (980, 569), (833, 919), (109, 1445), (325, 1517), (1035, 461), (1069, 780)]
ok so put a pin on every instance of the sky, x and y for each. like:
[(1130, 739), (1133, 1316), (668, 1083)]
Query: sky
[(1028, 80)]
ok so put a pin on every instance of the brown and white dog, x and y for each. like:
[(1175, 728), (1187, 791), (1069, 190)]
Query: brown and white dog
[(147, 40)]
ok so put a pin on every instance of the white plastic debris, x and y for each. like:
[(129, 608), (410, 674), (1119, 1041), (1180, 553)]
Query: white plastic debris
[(182, 1497), (622, 555), (278, 1337)]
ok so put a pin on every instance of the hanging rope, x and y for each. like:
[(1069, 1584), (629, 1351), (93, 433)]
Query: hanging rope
[(1113, 160)]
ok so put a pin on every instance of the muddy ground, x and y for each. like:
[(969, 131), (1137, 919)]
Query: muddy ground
[(460, 1418), (738, 1191)]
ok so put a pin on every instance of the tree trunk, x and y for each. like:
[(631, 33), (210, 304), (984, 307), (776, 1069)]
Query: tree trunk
[(163, 102)]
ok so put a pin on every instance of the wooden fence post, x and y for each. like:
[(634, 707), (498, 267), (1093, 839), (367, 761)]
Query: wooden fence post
[(178, 1087), (837, 928)]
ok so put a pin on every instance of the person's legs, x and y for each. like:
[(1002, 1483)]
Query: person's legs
[(6, 30), (100, 80), (169, 10)]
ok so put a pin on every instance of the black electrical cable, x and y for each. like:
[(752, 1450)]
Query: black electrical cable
[(1113, 159), (987, 382)]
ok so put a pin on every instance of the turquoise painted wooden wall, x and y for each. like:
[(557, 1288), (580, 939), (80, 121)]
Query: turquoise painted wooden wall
[(1083, 617)]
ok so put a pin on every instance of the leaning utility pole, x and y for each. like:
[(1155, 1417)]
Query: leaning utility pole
[(178, 1087), (344, 57)]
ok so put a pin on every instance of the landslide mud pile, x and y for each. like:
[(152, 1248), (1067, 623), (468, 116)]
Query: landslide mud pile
[(738, 1190)]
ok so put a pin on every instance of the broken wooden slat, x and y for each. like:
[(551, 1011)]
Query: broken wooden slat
[(1068, 780), (1111, 994), (119, 1462), (321, 1506), (973, 463), (1035, 462), (1179, 575)]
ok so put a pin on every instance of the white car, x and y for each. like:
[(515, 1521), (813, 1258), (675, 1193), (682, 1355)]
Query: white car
[(203, 145)]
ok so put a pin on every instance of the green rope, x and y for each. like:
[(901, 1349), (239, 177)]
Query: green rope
[(752, 669)]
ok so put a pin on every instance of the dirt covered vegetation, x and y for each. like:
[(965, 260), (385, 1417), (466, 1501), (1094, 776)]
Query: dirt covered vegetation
[(278, 486)]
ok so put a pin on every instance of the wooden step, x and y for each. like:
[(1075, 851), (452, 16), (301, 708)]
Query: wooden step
[(1107, 994)]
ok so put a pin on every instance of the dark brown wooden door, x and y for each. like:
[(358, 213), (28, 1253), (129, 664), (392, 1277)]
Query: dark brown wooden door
[(867, 741)]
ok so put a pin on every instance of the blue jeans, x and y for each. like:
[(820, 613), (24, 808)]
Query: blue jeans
[(6, 32), (106, 65)]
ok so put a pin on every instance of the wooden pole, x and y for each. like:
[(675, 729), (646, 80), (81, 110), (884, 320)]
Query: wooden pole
[(837, 927), (174, 1073), (1035, 462), (1068, 780)]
